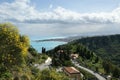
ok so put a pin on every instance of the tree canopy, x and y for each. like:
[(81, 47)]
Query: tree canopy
[(13, 46)]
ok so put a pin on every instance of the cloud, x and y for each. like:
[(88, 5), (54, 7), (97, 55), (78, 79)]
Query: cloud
[(23, 11), (22, 1), (55, 30)]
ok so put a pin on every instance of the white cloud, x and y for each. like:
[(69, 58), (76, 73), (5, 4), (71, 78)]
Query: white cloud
[(55, 30), (22, 1), (22, 11)]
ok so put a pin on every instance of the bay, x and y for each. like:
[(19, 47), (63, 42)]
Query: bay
[(47, 44)]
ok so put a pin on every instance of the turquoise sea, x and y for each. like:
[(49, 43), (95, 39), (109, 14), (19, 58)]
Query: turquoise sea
[(47, 44)]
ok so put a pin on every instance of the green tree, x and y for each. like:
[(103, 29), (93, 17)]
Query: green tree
[(33, 51), (116, 72), (51, 75), (43, 50), (96, 59), (13, 46)]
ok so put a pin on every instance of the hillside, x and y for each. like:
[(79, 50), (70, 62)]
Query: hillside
[(107, 47), (95, 53)]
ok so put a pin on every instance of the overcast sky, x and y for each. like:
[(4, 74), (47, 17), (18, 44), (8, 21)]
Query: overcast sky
[(60, 18)]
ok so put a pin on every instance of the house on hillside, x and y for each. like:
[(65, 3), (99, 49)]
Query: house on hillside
[(72, 73), (109, 77), (74, 56), (60, 51)]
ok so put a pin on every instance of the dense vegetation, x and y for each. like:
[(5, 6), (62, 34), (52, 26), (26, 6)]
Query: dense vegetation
[(88, 57), (107, 47), (13, 50), (17, 57), (87, 75), (13, 47), (61, 57), (50, 75)]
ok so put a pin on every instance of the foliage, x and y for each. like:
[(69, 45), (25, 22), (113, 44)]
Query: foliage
[(35, 57), (48, 75), (32, 51), (107, 47), (13, 46), (89, 50), (25, 77), (116, 72), (5, 74), (86, 58), (17, 57), (110, 68), (61, 58), (13, 51), (51, 75), (87, 75)]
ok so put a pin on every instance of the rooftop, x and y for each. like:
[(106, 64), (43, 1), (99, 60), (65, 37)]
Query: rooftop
[(74, 55), (71, 70)]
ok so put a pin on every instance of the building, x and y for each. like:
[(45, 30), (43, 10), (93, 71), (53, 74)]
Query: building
[(74, 56), (109, 77), (60, 51), (72, 73)]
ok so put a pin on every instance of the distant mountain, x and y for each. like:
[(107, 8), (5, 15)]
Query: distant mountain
[(67, 39)]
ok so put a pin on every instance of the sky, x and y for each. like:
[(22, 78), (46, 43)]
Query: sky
[(61, 18)]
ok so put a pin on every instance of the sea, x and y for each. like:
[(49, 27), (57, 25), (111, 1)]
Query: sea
[(46, 44)]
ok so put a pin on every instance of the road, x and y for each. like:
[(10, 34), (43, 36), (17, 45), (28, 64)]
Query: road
[(44, 65), (48, 62), (90, 71)]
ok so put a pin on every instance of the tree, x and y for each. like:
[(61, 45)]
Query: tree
[(96, 69), (116, 72), (13, 46), (51, 75), (108, 67), (96, 59), (43, 50), (33, 51)]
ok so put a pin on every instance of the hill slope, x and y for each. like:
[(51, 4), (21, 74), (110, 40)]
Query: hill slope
[(107, 47), (95, 53)]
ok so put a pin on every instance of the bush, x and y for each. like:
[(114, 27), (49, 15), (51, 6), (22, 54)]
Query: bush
[(25, 77)]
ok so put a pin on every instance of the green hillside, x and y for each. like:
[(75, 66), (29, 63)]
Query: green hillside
[(95, 53), (107, 47)]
